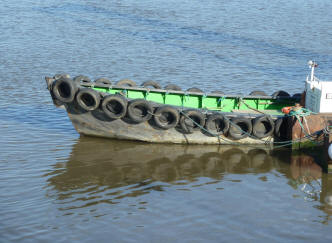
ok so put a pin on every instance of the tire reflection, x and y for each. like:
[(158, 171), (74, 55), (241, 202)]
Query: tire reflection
[(128, 169)]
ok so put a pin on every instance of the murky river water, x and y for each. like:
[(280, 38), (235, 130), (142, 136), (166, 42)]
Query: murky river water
[(58, 186)]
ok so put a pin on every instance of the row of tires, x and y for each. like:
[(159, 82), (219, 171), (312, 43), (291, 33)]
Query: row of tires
[(81, 79), (116, 106)]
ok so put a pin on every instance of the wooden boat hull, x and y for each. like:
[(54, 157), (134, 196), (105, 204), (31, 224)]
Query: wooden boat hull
[(191, 117), (95, 123)]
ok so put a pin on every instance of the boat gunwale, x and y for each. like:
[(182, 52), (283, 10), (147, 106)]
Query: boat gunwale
[(180, 92)]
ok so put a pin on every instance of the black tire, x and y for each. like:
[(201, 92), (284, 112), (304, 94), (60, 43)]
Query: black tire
[(257, 93), (152, 84), (114, 106), (139, 110), (217, 124), (61, 75), (82, 79), (172, 87), (217, 92), (239, 128), (262, 126), (104, 81), (88, 99), (297, 96), (280, 128), (49, 82), (126, 82), (197, 90), (187, 118), (166, 117), (64, 89), (280, 93)]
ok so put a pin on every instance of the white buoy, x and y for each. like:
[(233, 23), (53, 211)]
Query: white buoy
[(329, 151)]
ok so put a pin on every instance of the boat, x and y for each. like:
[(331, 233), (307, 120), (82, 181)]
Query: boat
[(150, 113)]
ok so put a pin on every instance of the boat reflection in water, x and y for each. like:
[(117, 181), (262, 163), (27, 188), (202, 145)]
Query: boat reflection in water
[(106, 171), (307, 176)]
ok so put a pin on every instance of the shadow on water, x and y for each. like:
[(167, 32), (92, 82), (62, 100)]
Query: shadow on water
[(107, 171)]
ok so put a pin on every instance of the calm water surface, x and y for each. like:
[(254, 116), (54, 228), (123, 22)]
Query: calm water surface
[(58, 186)]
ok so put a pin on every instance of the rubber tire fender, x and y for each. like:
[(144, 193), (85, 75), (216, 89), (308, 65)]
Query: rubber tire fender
[(126, 82), (172, 87), (189, 126), (257, 93), (217, 124), (217, 92), (280, 93), (139, 110), (194, 89), (263, 121), (152, 84), (114, 106), (82, 79), (280, 129), (59, 75), (64, 89), (297, 96), (104, 81), (88, 99), (166, 117), (239, 122)]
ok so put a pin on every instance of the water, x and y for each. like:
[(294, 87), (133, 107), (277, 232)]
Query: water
[(58, 186)]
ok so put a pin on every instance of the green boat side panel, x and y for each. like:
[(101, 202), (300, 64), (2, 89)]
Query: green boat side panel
[(173, 99), (222, 103), (191, 101), (135, 94)]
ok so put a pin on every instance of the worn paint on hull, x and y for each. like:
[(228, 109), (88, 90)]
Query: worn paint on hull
[(95, 123), (313, 125)]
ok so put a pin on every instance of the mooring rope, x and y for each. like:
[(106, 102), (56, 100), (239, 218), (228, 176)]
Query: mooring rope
[(301, 112), (266, 142), (251, 108)]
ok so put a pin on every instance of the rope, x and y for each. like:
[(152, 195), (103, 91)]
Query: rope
[(251, 108), (219, 136), (302, 112), (267, 142), (221, 99)]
